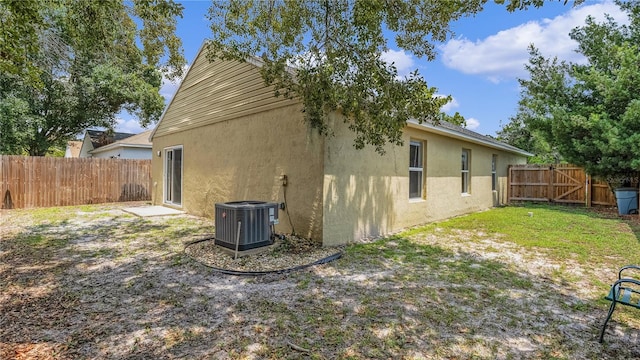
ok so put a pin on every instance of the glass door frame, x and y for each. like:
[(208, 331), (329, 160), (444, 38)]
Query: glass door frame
[(169, 175)]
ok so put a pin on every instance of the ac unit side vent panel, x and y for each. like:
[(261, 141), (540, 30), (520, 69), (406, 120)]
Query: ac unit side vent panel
[(255, 217)]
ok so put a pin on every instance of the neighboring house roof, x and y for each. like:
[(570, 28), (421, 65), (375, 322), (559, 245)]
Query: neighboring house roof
[(133, 141), (94, 139), (73, 149), (443, 128), (102, 138)]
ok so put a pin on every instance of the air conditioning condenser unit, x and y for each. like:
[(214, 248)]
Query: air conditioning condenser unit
[(244, 225)]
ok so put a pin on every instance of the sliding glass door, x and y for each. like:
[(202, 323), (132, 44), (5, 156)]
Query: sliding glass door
[(173, 176)]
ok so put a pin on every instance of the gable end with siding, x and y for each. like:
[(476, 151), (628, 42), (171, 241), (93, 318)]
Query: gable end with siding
[(213, 92)]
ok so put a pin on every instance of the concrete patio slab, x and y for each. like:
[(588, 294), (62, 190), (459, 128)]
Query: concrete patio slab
[(146, 211)]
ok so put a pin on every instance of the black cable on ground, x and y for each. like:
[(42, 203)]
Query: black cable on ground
[(325, 260), (198, 241)]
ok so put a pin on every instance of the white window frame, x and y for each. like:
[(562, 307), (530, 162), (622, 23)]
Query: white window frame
[(416, 169), (494, 174), (165, 192), (466, 171)]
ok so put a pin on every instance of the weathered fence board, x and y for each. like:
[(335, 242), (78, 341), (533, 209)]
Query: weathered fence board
[(31, 181), (560, 183)]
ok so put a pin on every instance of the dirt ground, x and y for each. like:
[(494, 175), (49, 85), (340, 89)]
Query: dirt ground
[(97, 283)]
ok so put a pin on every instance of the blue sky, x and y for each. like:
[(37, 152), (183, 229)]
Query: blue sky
[(479, 67)]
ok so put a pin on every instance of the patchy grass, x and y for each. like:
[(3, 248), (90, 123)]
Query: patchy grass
[(561, 232), (95, 282)]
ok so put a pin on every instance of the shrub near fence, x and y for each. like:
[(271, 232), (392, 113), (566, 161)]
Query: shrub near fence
[(560, 183), (31, 181)]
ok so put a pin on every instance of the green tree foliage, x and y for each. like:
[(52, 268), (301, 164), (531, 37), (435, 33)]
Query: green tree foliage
[(328, 54), (74, 64), (590, 112), (19, 21), (518, 134)]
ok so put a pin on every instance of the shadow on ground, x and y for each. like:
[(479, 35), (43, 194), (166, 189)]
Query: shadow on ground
[(119, 287)]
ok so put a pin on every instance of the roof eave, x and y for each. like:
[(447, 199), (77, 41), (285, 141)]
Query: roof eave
[(457, 135), (114, 146)]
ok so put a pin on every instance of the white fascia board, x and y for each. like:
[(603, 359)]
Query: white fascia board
[(114, 146)]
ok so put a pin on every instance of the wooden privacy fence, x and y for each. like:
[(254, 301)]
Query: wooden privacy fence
[(30, 181), (557, 183)]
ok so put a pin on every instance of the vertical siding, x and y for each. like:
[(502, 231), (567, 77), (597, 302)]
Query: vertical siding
[(29, 181)]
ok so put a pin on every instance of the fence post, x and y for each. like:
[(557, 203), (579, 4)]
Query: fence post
[(588, 191), (550, 186), (509, 184)]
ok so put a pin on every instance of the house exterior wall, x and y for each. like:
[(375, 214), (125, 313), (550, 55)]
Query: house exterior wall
[(86, 146), (217, 92), (73, 149), (366, 194), (124, 153), (237, 141), (244, 159)]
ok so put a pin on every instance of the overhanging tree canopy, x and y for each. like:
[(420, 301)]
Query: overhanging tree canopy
[(336, 47), (71, 64), (590, 112)]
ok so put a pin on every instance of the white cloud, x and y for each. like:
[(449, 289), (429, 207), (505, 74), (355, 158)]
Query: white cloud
[(403, 62), (168, 88), (503, 55), (450, 105), (472, 123), (129, 126)]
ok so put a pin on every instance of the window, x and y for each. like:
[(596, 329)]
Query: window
[(494, 176), (466, 154), (415, 170)]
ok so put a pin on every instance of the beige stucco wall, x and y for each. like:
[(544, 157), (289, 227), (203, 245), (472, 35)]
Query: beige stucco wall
[(366, 194), (244, 159), (238, 140)]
